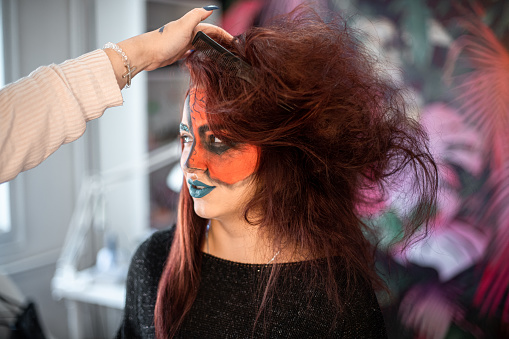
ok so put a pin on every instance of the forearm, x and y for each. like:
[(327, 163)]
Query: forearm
[(162, 46), (50, 107)]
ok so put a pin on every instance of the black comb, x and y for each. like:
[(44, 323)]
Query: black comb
[(205, 44)]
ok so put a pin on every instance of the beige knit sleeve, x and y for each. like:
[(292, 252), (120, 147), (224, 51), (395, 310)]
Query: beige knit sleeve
[(50, 107)]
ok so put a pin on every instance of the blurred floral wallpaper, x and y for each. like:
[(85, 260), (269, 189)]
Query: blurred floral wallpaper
[(452, 58)]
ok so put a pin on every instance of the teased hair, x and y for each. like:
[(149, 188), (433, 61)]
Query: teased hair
[(349, 133)]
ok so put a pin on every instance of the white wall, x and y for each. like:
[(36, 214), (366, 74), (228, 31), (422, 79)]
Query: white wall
[(123, 131)]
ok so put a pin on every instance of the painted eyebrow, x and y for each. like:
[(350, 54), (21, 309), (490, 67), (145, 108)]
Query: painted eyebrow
[(203, 129), (183, 127)]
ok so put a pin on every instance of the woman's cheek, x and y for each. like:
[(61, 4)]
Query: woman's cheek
[(234, 166)]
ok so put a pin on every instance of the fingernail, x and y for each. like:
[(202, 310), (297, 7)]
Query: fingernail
[(210, 7)]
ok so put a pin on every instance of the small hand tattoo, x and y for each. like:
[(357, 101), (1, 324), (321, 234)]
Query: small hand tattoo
[(161, 29)]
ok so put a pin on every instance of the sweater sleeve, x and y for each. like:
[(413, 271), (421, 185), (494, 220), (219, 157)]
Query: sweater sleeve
[(50, 107)]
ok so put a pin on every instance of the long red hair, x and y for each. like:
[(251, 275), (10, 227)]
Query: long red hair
[(349, 132)]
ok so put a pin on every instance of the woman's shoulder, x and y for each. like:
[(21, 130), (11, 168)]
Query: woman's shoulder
[(151, 255), (157, 243)]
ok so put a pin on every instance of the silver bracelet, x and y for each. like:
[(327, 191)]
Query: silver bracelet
[(130, 70)]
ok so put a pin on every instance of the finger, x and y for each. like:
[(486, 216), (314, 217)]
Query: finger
[(212, 29), (186, 54), (194, 17)]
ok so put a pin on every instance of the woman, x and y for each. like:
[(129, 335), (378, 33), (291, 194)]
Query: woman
[(279, 158)]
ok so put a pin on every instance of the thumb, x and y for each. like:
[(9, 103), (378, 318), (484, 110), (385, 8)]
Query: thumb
[(194, 17)]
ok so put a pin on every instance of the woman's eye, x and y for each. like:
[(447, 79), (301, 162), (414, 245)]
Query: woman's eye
[(185, 139), (216, 145), (214, 140)]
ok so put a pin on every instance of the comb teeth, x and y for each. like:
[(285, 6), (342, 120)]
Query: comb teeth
[(227, 60), (203, 43)]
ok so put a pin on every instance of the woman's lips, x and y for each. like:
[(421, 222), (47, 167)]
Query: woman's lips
[(198, 189)]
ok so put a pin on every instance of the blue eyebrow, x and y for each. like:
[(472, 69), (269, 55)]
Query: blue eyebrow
[(184, 127)]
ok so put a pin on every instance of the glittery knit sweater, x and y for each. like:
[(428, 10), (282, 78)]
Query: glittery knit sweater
[(227, 302)]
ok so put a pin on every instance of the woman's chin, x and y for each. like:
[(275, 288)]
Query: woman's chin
[(202, 210)]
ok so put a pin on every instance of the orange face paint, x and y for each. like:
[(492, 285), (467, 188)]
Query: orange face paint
[(220, 161)]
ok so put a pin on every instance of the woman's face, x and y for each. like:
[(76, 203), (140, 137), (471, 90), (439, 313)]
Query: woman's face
[(218, 176)]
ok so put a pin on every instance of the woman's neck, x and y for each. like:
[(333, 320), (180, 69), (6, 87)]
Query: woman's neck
[(241, 242), (238, 241)]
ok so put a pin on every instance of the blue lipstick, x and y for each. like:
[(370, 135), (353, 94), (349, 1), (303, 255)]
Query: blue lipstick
[(198, 189)]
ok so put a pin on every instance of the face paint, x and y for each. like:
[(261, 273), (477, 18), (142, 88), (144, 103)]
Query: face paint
[(203, 151)]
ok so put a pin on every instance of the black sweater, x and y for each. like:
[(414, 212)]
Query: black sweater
[(228, 300)]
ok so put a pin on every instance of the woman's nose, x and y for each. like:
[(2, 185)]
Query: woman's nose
[(195, 160)]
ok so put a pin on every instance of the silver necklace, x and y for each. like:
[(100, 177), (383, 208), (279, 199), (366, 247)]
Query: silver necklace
[(274, 257), (208, 252)]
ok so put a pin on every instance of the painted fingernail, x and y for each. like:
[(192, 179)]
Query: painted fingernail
[(210, 7)]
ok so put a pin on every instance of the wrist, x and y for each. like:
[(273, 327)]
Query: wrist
[(125, 61), (137, 52), (117, 65), (129, 68)]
